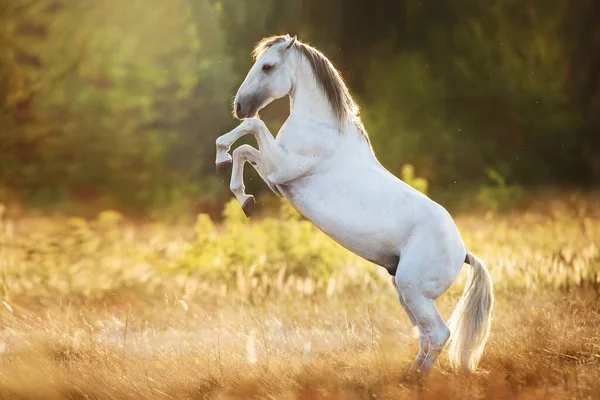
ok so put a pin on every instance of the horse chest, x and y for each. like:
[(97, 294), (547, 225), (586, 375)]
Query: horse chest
[(304, 139)]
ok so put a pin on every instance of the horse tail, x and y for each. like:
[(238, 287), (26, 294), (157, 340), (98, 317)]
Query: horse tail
[(471, 320)]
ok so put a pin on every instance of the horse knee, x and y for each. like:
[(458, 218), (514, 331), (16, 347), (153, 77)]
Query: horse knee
[(241, 152), (253, 124)]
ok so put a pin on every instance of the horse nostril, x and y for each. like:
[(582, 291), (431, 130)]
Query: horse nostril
[(238, 109)]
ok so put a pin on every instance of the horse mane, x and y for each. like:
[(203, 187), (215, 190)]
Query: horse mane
[(328, 78)]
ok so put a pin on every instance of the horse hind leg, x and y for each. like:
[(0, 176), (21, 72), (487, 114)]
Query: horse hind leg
[(423, 340), (422, 306), (425, 312)]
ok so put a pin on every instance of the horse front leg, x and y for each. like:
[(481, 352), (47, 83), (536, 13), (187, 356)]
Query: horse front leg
[(272, 152), (275, 165), (240, 156)]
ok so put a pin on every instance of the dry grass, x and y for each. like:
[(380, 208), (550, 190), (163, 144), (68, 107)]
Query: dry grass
[(543, 345), (115, 317)]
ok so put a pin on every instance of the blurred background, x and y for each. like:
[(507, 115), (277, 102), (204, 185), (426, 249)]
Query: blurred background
[(117, 104), (128, 270)]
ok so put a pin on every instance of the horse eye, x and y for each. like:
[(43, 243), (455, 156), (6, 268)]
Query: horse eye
[(267, 67)]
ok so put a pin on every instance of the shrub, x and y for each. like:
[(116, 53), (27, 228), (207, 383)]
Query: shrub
[(499, 196)]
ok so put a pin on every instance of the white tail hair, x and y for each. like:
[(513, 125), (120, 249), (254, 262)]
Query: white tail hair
[(471, 320)]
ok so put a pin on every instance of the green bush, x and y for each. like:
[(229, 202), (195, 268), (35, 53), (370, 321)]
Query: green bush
[(499, 196), (287, 245)]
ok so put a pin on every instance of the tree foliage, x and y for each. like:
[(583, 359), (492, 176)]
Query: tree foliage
[(100, 97), (120, 102)]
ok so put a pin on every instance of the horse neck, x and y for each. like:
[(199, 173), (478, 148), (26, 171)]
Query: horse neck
[(307, 100)]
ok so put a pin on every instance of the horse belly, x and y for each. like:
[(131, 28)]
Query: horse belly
[(361, 213)]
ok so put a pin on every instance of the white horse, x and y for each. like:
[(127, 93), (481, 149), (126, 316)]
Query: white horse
[(322, 162)]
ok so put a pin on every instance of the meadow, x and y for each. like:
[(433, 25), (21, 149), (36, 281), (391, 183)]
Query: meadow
[(111, 308)]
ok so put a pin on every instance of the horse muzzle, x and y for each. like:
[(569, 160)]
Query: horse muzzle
[(248, 107)]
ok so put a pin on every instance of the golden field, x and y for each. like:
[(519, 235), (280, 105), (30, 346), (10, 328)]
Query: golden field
[(106, 308)]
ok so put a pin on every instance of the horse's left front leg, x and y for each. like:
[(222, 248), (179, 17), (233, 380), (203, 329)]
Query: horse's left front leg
[(240, 155)]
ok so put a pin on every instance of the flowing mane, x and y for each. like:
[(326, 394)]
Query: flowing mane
[(328, 78)]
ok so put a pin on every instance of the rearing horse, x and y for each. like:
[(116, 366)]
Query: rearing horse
[(322, 162)]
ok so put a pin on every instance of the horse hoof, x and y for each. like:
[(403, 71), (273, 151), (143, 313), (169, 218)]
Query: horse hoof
[(223, 166), (248, 206), (412, 378)]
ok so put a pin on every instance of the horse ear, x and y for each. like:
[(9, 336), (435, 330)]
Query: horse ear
[(291, 43)]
